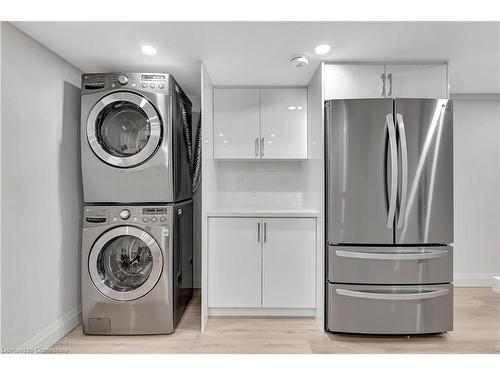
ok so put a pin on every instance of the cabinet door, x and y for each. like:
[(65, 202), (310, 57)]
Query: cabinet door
[(283, 123), (353, 81), (236, 123), (417, 81), (289, 263), (234, 261)]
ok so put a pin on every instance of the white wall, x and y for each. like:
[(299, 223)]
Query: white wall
[(1, 26), (209, 183), (314, 177), (476, 130), (41, 193), (262, 184)]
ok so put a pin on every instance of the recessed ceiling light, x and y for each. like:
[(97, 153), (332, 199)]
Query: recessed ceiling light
[(149, 50), (322, 49)]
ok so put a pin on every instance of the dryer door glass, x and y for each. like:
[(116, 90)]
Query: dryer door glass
[(124, 129), (125, 263)]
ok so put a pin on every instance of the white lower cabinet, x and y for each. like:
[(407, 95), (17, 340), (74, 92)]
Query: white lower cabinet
[(267, 263), (234, 262), (288, 263)]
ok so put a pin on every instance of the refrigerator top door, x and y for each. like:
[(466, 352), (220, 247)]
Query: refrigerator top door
[(425, 191), (361, 171)]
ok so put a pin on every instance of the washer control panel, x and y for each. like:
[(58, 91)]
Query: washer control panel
[(151, 82), (140, 215), (122, 79), (125, 214)]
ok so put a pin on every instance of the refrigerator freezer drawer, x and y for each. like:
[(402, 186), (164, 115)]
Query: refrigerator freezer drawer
[(390, 265), (390, 310)]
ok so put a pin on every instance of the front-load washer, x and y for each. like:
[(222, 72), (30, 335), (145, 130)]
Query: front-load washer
[(136, 139), (137, 268)]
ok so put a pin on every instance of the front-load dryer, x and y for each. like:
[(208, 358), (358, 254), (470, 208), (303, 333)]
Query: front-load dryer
[(137, 268), (135, 138)]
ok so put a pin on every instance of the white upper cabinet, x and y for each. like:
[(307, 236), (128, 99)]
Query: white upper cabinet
[(283, 123), (253, 123), (236, 123), (359, 81), (417, 81), (354, 81)]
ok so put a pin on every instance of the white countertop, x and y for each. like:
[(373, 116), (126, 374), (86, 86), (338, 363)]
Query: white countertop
[(262, 212)]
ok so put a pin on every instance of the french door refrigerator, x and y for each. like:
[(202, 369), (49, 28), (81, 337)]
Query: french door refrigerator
[(389, 215)]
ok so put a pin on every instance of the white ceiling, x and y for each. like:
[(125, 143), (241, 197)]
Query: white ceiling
[(257, 53)]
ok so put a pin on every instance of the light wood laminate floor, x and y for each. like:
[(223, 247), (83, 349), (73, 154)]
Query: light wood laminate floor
[(477, 330)]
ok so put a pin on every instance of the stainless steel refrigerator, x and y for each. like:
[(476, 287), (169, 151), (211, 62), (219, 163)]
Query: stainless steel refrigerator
[(389, 215)]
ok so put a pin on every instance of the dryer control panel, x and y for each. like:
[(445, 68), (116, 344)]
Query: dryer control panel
[(150, 82), (140, 215)]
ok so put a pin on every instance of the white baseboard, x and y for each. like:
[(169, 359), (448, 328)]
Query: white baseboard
[(56, 331), (475, 96), (473, 280), (320, 321), (224, 311), (496, 284)]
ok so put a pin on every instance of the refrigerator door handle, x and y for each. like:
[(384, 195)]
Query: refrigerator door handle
[(392, 296), (385, 256), (404, 170), (394, 170)]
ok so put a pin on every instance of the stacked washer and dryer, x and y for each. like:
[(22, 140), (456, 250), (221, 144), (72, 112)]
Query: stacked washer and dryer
[(137, 168)]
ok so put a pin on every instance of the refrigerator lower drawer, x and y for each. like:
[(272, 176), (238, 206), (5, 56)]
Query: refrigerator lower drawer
[(390, 310), (390, 265)]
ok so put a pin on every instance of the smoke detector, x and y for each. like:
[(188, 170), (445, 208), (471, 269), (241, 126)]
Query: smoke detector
[(299, 61)]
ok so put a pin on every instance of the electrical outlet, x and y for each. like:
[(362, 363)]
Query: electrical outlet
[(254, 193)]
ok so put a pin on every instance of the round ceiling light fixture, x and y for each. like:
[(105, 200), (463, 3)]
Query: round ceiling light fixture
[(149, 50), (322, 49), (299, 61)]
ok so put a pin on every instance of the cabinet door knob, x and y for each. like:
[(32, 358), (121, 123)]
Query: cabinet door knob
[(256, 147), (382, 77), (262, 147), (390, 84)]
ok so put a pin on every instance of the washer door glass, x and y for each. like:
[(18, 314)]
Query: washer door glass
[(125, 263), (124, 129)]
